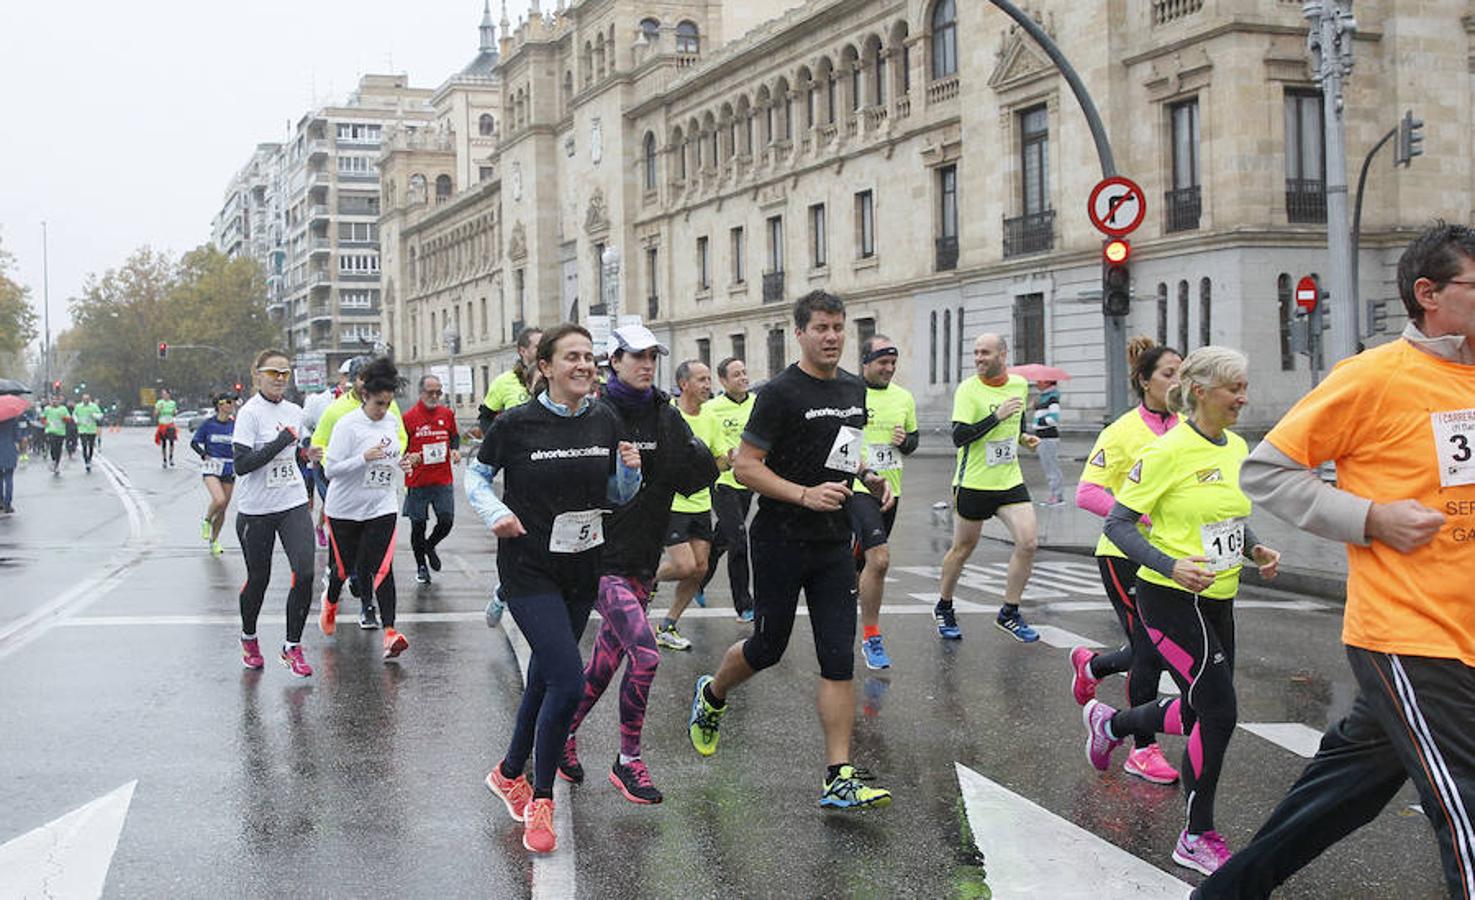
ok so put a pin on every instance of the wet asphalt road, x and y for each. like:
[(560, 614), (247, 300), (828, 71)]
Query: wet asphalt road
[(366, 778)]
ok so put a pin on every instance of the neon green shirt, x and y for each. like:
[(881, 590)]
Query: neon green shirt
[(887, 408), (165, 410), (505, 392), (1189, 487), (733, 417), (708, 427), (342, 407), (87, 416), (990, 463), (56, 419)]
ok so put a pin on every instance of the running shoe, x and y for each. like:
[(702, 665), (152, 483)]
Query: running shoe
[(947, 622), (293, 659), (205, 529), (353, 584), (322, 536), (1099, 743), (875, 653), (1205, 853), (667, 636), (537, 828), (394, 643), (251, 656), (369, 618), (216, 549), (433, 558), (514, 792), (746, 616), (633, 780), (847, 791), (422, 574), (1014, 625), (700, 599), (569, 767), (1082, 682), (1149, 764), (705, 719), (328, 617), (495, 609)]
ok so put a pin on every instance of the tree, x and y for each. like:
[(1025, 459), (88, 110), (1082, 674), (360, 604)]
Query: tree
[(17, 318), (114, 324)]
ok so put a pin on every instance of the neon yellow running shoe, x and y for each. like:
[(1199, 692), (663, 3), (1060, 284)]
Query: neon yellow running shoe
[(847, 791), (205, 529), (216, 549), (705, 719)]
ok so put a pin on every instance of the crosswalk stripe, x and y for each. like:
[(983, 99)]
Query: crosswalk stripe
[(1293, 736), (1065, 640)]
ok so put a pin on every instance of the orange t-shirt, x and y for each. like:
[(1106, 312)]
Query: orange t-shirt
[(1400, 424)]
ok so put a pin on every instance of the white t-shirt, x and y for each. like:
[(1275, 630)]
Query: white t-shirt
[(278, 485), (357, 489), (312, 409)]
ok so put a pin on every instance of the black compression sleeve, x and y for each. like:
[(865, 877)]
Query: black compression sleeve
[(484, 417), (964, 434), (245, 460), (456, 441), (1121, 529), (1251, 539), (909, 444)]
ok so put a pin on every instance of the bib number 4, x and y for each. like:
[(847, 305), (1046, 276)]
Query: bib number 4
[(845, 452)]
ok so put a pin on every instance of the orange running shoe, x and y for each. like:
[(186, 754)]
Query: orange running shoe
[(537, 828), (514, 792), (328, 618), (394, 643)]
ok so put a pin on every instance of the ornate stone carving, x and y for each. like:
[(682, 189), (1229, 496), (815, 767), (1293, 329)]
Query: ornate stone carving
[(517, 247), (596, 217)]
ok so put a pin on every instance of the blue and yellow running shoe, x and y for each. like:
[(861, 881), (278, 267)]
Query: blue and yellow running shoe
[(704, 720), (846, 791)]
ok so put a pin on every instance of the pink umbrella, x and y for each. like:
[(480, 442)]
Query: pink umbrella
[(1039, 372), (12, 406)]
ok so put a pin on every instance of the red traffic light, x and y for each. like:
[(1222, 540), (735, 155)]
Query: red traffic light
[(56, 385), (1116, 251), (163, 349), (238, 387)]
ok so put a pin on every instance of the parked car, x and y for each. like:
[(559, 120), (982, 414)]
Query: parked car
[(197, 418), (138, 417)]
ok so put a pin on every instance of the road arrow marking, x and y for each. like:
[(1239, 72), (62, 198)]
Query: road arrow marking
[(69, 856), (1029, 851)]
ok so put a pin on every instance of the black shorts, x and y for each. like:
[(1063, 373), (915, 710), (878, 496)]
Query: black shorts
[(685, 527), (976, 506), (872, 527)]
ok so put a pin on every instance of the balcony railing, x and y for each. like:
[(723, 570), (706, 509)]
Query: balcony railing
[(942, 89), (320, 245), (1183, 206), (318, 211), (947, 253), (317, 148), (1165, 11), (1306, 200), (319, 279), (773, 287), (1029, 233)]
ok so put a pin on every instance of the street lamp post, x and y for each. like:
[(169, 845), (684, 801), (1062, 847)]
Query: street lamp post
[(1330, 41), (611, 299)]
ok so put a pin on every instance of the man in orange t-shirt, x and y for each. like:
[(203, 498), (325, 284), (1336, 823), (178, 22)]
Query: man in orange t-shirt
[(1399, 422)]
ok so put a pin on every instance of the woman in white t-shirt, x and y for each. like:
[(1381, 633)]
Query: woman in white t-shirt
[(271, 502), (364, 468)]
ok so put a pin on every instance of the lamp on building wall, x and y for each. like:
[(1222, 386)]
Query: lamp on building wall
[(611, 299)]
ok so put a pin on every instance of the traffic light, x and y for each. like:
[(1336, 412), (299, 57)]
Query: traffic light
[(163, 349), (1116, 278), (1410, 139), (238, 387), (56, 385)]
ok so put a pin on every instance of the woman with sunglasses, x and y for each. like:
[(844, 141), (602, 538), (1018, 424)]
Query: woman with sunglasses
[(271, 503), (212, 441)]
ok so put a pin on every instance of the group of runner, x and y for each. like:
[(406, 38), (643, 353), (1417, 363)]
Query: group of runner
[(66, 426)]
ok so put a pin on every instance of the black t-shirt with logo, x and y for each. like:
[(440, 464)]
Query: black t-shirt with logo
[(799, 419), (550, 465)]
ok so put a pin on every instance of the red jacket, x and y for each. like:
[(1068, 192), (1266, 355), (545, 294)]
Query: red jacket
[(433, 435)]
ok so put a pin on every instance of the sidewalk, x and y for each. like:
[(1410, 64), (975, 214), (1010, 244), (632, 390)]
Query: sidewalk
[(1309, 564)]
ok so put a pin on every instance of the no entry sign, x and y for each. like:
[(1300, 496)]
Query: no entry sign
[(1306, 293), (1116, 206)]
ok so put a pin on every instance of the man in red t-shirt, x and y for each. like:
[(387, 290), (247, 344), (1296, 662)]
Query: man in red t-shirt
[(434, 447)]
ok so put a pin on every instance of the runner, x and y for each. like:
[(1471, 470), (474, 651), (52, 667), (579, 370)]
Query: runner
[(88, 415), (269, 504), (312, 411), (10, 452), (436, 443), (511, 387), (363, 464), (71, 424), (669, 461), (1045, 425), (1154, 371), (689, 534), (166, 434), (890, 433), (1187, 483), (212, 441), (731, 500), (564, 461), (55, 416), (800, 451), (1396, 420), (987, 416)]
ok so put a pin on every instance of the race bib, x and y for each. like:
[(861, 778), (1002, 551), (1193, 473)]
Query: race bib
[(213, 465), (884, 457), (1000, 453), (1224, 544), (281, 473), (575, 532), (433, 454), (1454, 446), (845, 452), (379, 476)]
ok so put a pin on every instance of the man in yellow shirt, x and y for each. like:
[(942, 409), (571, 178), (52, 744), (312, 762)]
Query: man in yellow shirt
[(987, 418), (732, 501), (511, 387)]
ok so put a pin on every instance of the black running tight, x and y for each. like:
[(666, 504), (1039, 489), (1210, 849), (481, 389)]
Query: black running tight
[(1138, 658), (369, 547), (258, 535)]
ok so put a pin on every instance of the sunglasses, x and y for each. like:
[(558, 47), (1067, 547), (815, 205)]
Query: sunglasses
[(280, 374)]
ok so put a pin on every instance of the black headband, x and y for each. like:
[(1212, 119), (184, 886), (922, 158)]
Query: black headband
[(877, 354)]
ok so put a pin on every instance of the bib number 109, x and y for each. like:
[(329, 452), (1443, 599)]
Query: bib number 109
[(1224, 544)]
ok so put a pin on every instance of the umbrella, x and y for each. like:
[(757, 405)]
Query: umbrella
[(11, 386), (1038, 372), (12, 406)]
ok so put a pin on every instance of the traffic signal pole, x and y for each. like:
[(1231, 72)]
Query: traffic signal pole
[(1330, 41)]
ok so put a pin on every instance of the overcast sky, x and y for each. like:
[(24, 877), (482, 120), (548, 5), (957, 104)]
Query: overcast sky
[(124, 121)]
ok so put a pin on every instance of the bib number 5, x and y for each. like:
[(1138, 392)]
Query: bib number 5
[(575, 532)]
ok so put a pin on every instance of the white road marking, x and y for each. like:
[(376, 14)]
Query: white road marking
[(69, 856), (1069, 606), (1166, 685), (1293, 736), (1029, 851), (1065, 640)]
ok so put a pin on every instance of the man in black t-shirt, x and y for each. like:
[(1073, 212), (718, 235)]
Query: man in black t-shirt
[(802, 447)]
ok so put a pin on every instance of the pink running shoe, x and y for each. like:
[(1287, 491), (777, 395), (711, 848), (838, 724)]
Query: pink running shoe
[(1082, 683), (293, 659), (1149, 764), (322, 537), (251, 656), (516, 793), (537, 829), (1099, 744), (1205, 854)]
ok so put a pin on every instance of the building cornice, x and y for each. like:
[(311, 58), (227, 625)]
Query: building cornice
[(1220, 30)]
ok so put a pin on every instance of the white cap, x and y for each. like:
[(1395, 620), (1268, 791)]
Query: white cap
[(633, 339), (347, 364)]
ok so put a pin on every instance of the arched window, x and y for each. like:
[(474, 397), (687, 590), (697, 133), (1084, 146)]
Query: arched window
[(486, 125), (650, 161), (1205, 302), (877, 64), (687, 38), (944, 39), (1183, 316), (678, 146), (650, 30)]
